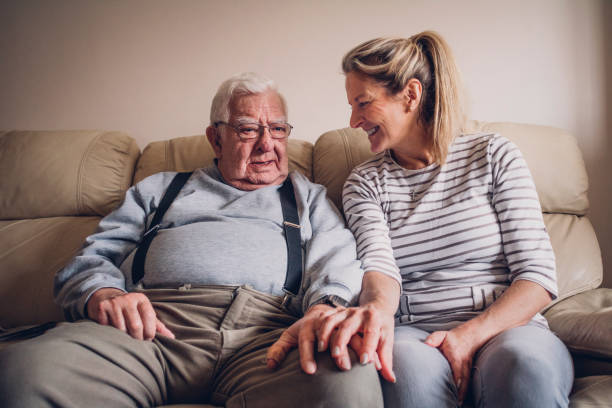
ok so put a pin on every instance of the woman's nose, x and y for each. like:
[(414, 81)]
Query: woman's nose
[(355, 120)]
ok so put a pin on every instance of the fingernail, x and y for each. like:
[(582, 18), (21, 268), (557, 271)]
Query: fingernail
[(393, 377), (321, 346), (364, 359), (310, 367), (336, 351), (377, 364), (346, 363)]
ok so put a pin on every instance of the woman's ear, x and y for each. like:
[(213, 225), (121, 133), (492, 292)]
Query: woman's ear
[(214, 138), (412, 94)]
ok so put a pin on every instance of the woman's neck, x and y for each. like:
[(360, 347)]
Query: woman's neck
[(415, 152)]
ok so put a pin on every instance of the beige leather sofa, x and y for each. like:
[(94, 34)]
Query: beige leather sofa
[(56, 185)]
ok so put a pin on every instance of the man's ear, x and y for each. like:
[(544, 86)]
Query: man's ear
[(412, 93), (214, 138)]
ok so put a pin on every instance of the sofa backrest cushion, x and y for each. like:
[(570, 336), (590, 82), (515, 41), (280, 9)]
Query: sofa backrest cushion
[(192, 152), (59, 173), (556, 164)]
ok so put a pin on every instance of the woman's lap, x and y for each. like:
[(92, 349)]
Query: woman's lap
[(526, 366)]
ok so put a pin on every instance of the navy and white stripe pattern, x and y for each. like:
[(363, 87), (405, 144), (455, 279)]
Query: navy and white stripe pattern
[(455, 236)]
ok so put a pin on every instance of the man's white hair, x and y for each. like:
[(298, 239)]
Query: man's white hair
[(246, 83)]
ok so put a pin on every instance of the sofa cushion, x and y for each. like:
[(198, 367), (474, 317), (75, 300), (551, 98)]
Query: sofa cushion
[(592, 392), (577, 254), (192, 152), (555, 162), (584, 322), (57, 173), (31, 252)]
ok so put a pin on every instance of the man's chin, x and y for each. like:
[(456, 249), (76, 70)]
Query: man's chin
[(260, 180)]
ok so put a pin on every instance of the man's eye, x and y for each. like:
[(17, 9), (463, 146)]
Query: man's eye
[(279, 128), (364, 103), (248, 130)]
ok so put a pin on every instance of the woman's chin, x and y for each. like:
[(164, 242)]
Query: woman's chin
[(376, 147)]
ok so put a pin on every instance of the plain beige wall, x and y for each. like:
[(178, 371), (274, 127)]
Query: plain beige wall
[(150, 68)]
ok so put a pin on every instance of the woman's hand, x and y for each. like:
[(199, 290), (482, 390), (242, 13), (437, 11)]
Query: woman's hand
[(459, 349)]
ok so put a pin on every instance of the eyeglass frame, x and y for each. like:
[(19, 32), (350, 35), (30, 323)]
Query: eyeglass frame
[(260, 128)]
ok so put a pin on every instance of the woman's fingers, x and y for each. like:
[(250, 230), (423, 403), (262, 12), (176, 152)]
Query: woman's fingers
[(328, 324)]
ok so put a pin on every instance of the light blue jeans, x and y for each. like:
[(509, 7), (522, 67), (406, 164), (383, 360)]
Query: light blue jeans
[(527, 366)]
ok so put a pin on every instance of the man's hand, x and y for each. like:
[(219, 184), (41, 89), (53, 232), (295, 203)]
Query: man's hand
[(301, 334), (459, 350), (129, 312)]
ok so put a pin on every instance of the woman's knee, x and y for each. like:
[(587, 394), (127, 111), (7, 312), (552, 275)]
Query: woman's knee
[(424, 377), (526, 370)]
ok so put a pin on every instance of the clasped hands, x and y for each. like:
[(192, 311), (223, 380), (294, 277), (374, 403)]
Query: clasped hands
[(364, 329)]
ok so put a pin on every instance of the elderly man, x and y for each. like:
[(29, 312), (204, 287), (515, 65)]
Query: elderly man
[(238, 255)]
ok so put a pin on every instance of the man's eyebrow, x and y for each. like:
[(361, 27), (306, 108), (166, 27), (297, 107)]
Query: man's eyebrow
[(249, 120)]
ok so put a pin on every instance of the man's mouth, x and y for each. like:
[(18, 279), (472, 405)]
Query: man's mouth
[(262, 162), (373, 130)]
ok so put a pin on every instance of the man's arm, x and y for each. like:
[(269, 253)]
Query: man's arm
[(92, 285)]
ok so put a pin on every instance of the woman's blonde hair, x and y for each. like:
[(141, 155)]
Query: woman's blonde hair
[(392, 62)]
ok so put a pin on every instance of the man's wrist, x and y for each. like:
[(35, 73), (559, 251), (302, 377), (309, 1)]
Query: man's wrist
[(331, 300)]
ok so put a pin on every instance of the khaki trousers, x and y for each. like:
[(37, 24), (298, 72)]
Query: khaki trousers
[(218, 356)]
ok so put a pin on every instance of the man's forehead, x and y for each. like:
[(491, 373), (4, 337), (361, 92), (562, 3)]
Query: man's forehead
[(251, 106)]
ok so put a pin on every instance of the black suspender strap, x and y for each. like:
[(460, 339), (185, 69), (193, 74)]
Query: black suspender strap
[(291, 224), (141, 253)]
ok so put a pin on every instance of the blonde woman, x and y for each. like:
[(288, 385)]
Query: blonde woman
[(449, 230)]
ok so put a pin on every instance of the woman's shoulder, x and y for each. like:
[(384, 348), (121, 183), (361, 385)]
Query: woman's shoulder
[(489, 141), (373, 166)]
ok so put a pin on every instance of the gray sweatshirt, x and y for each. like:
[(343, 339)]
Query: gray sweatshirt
[(215, 234)]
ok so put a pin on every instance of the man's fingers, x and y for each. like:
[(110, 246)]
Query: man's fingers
[(161, 328), (306, 349), (278, 351), (133, 321), (115, 317), (149, 321)]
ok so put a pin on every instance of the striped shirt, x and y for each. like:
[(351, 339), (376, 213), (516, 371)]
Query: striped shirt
[(455, 236)]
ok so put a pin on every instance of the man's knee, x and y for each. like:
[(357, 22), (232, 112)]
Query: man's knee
[(25, 372), (357, 387)]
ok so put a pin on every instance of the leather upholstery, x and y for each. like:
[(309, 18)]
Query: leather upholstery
[(57, 173)]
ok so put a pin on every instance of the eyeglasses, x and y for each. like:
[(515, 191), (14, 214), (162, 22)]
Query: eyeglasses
[(251, 131)]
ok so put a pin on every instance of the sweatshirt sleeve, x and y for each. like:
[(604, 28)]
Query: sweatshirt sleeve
[(330, 261), (96, 266), (366, 218), (526, 242)]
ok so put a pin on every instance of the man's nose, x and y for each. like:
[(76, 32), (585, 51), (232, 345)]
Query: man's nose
[(265, 141)]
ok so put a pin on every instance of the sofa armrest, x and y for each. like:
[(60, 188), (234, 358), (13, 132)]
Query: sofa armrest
[(584, 322)]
